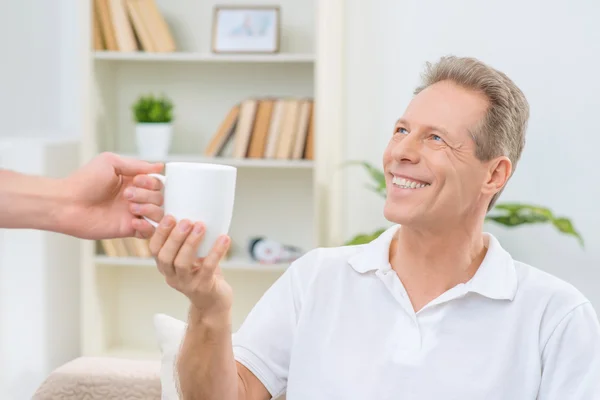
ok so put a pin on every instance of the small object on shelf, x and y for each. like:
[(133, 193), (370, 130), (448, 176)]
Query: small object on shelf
[(268, 251), (154, 126), (238, 29)]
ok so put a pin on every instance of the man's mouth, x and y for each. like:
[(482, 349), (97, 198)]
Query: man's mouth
[(406, 183)]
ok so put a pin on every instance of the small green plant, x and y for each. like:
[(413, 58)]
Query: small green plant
[(506, 214), (151, 109)]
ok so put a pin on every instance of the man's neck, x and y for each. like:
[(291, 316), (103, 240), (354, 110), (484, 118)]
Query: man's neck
[(430, 263)]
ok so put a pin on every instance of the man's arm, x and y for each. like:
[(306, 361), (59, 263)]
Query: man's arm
[(206, 367), (32, 202), (571, 358)]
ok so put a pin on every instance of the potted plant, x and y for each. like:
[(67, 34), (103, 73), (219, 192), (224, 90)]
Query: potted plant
[(506, 214), (154, 128)]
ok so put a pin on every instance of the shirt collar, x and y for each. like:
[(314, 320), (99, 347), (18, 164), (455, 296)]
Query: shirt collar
[(374, 255), (495, 278)]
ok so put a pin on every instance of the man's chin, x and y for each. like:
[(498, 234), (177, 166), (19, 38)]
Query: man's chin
[(400, 214)]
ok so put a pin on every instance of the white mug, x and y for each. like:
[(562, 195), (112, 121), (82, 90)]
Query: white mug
[(200, 192)]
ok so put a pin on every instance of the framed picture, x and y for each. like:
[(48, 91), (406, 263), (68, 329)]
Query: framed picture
[(239, 29)]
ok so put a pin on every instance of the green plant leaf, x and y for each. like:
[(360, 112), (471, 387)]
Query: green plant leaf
[(515, 214), (521, 208), (377, 175), (566, 226), (364, 238), (151, 109)]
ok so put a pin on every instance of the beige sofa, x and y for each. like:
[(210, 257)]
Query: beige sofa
[(91, 378)]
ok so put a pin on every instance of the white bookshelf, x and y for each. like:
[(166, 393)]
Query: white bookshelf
[(235, 162), (239, 263), (191, 57), (280, 199)]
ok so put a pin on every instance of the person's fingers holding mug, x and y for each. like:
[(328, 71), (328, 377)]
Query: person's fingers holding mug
[(173, 257), (146, 200), (157, 243), (210, 263), (187, 254), (145, 190)]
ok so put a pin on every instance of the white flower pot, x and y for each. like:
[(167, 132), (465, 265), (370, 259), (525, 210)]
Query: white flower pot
[(153, 140)]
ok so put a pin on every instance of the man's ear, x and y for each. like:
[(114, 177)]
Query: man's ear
[(499, 172)]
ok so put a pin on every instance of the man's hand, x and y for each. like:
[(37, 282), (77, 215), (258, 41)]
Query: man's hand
[(110, 195), (200, 279)]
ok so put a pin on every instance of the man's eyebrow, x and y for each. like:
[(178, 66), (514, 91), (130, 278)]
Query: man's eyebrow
[(402, 121)]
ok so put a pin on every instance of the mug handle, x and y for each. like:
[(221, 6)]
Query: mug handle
[(163, 180)]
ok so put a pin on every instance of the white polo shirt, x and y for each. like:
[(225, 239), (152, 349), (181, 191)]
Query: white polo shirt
[(338, 324)]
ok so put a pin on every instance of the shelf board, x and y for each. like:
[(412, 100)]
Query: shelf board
[(204, 57), (236, 162), (235, 263)]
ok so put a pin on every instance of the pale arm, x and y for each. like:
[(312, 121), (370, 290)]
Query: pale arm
[(103, 199), (32, 202)]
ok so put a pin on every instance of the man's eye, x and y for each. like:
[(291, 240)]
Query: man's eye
[(401, 130), (437, 138)]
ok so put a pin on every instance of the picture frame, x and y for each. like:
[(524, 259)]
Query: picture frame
[(246, 29)]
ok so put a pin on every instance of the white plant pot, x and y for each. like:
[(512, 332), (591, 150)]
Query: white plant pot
[(153, 140)]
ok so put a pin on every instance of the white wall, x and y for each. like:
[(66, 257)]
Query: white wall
[(40, 77), (39, 280), (39, 73), (551, 49)]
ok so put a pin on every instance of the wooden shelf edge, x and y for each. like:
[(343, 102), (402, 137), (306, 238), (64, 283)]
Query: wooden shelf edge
[(204, 57), (235, 162), (232, 264)]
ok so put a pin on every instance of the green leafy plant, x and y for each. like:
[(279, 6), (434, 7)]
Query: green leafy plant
[(507, 214), (151, 109)]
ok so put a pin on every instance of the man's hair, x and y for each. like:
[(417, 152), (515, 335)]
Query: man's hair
[(502, 130)]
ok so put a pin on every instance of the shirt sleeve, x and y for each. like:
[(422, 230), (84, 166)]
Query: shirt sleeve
[(571, 358), (263, 343)]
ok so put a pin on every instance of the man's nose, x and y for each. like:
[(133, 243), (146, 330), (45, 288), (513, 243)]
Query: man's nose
[(408, 149)]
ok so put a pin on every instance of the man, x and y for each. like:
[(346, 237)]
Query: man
[(432, 309), (106, 198)]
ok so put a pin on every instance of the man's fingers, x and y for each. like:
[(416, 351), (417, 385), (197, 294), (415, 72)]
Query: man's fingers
[(147, 182), (131, 166), (184, 262), (155, 213), (143, 229), (168, 252), (158, 241), (216, 254), (143, 196)]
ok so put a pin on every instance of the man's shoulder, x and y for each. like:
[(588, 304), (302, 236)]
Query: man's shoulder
[(535, 282), (321, 258), (322, 261), (546, 295)]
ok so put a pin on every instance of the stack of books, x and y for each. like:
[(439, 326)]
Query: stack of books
[(267, 128), (130, 25), (126, 247)]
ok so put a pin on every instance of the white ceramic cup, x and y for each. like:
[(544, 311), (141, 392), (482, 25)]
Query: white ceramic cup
[(200, 192)]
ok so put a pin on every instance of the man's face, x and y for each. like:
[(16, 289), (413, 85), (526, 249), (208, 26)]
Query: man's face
[(432, 174)]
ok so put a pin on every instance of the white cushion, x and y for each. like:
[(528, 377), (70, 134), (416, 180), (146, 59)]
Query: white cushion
[(169, 332)]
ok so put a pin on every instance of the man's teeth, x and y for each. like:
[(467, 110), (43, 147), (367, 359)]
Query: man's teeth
[(407, 184)]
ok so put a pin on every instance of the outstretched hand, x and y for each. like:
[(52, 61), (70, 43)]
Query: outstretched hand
[(111, 194)]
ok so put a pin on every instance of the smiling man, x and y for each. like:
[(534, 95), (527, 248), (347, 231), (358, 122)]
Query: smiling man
[(434, 308)]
